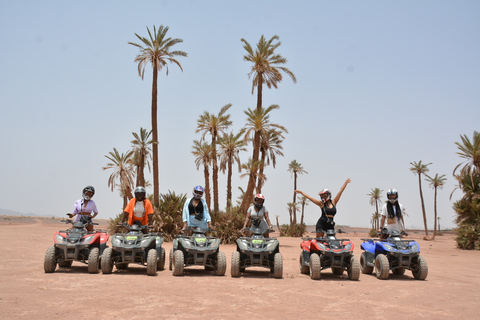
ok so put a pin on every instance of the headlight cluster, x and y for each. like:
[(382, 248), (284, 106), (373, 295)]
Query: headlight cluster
[(414, 247), (389, 247), (321, 246), (271, 246), (88, 239), (116, 241), (59, 238), (348, 247)]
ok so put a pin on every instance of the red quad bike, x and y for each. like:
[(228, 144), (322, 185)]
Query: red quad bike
[(76, 244), (329, 252)]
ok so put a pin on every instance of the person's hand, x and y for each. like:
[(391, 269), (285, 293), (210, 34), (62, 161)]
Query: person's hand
[(242, 230), (70, 215), (211, 227), (349, 180), (298, 191)]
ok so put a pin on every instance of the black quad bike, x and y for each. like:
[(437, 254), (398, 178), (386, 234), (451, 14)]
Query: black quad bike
[(257, 251), (197, 250), (134, 246), (76, 244)]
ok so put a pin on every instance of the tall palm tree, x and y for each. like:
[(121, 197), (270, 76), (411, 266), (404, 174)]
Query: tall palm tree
[(270, 146), (157, 51), (123, 171), (419, 168), (375, 195), (267, 68), (230, 146), (142, 154), (469, 150), (247, 169), (214, 125), (436, 183), (203, 156), (292, 209), (295, 168), (258, 123)]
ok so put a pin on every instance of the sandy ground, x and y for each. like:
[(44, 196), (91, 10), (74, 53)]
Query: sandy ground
[(451, 290)]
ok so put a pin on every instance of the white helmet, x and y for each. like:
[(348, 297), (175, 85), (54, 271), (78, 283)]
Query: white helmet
[(392, 192)]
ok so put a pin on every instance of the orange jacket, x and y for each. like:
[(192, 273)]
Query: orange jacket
[(131, 205)]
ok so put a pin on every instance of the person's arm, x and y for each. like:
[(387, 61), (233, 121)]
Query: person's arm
[(185, 214), (339, 194), (268, 220), (95, 210), (382, 223), (246, 220), (206, 214), (126, 211), (316, 201)]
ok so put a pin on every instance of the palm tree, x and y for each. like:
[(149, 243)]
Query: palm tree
[(375, 195), (156, 50), (436, 182), (247, 169), (295, 168), (469, 150), (303, 203), (142, 154), (292, 209), (214, 125), (270, 146), (258, 123), (418, 168), (267, 67), (230, 146), (122, 165), (203, 156)]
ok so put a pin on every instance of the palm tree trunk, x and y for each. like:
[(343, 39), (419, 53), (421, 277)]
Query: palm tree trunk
[(423, 204), (262, 167), (229, 183), (156, 191), (215, 176), (435, 211), (206, 174)]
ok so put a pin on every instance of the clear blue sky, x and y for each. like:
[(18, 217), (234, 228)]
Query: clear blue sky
[(380, 84)]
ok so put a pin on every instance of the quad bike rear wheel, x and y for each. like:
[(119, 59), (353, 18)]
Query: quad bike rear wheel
[(50, 262), (152, 262), (161, 260), (366, 269), (178, 263), (278, 265), (107, 261), (235, 265), (94, 260), (420, 271), (353, 269), (220, 264), (304, 269), (382, 266), (315, 267)]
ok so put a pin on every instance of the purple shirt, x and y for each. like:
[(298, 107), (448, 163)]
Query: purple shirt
[(80, 207)]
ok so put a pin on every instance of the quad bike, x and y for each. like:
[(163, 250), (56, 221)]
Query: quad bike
[(134, 246), (257, 251), (197, 250), (329, 252), (392, 253), (76, 244)]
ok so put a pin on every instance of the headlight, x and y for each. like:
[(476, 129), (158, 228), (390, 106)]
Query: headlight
[(414, 247), (348, 247), (88, 239), (116, 242), (59, 238), (271, 246), (144, 242), (242, 244), (215, 243), (388, 247), (321, 246)]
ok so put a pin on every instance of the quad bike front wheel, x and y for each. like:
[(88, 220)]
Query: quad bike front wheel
[(152, 257), (420, 271), (50, 262), (235, 265), (382, 266), (220, 264), (178, 263), (161, 260), (94, 260), (353, 269), (366, 269), (107, 261), (170, 260), (278, 265), (315, 267), (304, 269)]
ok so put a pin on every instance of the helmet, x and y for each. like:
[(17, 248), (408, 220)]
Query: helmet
[(88, 189), (198, 192), (259, 200), (392, 192), (327, 193), (140, 193)]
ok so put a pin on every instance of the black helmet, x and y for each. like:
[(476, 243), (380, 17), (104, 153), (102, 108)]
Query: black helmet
[(88, 189), (140, 193)]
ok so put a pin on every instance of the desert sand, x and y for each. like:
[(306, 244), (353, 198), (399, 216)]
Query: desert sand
[(451, 290)]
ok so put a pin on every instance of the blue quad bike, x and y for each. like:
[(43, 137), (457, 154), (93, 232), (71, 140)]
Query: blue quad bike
[(257, 251), (134, 246), (392, 253), (197, 250)]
